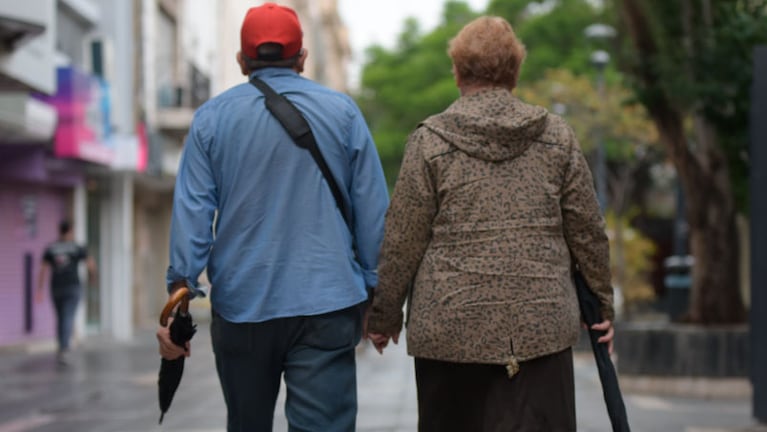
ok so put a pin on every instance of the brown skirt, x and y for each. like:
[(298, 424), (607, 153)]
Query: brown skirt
[(471, 397)]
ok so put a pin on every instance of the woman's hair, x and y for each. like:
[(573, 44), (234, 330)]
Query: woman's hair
[(486, 51)]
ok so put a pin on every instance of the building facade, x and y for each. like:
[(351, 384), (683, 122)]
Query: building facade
[(69, 151)]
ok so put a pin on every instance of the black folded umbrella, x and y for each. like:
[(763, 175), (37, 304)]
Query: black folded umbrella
[(590, 313), (181, 331)]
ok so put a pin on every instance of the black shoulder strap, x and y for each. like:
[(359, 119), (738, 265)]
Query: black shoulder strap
[(298, 128)]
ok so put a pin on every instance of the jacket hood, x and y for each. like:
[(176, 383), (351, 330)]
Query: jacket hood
[(490, 124)]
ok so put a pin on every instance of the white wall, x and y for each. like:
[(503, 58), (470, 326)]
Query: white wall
[(230, 16), (119, 33), (199, 31), (32, 64), (116, 278)]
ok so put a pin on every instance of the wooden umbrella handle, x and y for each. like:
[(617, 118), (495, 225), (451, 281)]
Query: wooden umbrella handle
[(181, 295)]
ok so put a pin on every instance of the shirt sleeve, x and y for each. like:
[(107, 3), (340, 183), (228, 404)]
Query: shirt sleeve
[(195, 201), (369, 199)]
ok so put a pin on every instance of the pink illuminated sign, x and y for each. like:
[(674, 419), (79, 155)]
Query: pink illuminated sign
[(83, 131)]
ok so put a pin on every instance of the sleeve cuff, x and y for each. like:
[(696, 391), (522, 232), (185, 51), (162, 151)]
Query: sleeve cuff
[(195, 290), (608, 313), (371, 277)]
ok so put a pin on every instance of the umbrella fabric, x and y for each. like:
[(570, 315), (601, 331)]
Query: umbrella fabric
[(181, 330), (590, 313)]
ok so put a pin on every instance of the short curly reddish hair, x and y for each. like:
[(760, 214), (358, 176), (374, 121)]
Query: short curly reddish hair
[(487, 52)]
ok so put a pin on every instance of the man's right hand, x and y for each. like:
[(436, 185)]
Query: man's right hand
[(169, 350)]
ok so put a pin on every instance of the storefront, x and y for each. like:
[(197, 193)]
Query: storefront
[(33, 199)]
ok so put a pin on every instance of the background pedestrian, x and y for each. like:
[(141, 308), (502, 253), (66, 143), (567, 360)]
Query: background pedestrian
[(61, 260)]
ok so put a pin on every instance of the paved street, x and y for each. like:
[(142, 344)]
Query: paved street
[(112, 388)]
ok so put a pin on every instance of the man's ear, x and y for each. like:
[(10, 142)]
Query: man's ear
[(301, 59), (243, 67)]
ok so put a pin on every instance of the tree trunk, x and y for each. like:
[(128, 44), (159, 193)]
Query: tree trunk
[(715, 296), (714, 241)]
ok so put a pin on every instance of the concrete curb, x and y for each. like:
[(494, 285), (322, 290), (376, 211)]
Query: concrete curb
[(692, 387)]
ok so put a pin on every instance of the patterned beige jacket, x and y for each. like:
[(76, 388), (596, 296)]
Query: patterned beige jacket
[(493, 203)]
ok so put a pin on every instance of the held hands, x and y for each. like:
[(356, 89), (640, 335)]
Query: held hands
[(169, 350), (380, 341)]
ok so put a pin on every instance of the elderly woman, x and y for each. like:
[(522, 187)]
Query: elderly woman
[(493, 207)]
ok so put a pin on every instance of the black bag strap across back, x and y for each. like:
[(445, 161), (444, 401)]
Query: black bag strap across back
[(298, 128)]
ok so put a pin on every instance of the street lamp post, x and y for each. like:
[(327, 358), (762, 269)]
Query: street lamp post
[(600, 59)]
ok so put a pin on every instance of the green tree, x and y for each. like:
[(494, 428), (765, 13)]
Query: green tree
[(553, 33), (403, 86), (691, 61)]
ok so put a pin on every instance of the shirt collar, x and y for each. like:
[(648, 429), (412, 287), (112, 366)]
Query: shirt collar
[(269, 72)]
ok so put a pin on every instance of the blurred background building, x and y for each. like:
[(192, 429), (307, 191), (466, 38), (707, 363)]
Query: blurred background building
[(96, 97)]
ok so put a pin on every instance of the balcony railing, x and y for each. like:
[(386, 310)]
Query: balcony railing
[(176, 103)]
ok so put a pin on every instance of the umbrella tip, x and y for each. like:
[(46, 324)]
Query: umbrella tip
[(162, 414)]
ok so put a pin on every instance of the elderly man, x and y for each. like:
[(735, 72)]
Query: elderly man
[(290, 266)]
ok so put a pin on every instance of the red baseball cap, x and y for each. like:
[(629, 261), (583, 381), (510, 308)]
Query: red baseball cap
[(273, 23)]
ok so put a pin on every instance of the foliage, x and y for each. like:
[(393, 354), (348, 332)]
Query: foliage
[(614, 116), (704, 65), (630, 138), (553, 33), (631, 261), (403, 86), (691, 63)]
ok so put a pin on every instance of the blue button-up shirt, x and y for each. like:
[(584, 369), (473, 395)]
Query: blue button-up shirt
[(254, 208)]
